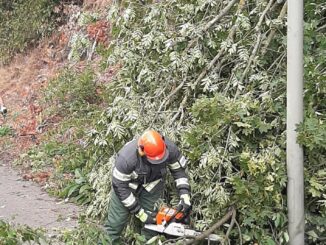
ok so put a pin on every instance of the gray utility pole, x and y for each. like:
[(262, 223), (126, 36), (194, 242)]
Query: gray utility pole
[(294, 153)]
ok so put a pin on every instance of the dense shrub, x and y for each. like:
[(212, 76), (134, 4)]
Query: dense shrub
[(22, 23), (219, 91)]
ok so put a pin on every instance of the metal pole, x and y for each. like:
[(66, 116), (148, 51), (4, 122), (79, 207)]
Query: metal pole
[(294, 153)]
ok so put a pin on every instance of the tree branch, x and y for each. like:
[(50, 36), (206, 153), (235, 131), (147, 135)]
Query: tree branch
[(213, 62), (222, 13), (166, 100), (321, 28), (273, 31), (212, 22), (263, 15), (251, 58), (212, 229), (180, 110), (220, 53), (239, 229), (174, 241)]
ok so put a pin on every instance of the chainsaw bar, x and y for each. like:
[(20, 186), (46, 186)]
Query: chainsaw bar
[(180, 230)]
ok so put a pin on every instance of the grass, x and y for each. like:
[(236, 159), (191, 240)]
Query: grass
[(5, 131)]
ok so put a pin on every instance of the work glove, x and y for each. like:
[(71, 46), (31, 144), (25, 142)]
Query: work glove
[(184, 204), (146, 217)]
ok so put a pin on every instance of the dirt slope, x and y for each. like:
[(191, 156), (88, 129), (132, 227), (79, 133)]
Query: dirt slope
[(20, 84), (24, 202)]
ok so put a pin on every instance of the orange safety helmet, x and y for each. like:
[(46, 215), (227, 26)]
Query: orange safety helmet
[(152, 145)]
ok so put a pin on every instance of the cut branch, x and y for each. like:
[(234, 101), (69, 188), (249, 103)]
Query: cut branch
[(212, 229), (321, 28), (239, 229), (174, 241), (221, 52), (206, 69), (180, 110)]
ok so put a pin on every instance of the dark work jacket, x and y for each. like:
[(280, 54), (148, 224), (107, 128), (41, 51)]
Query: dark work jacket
[(132, 174)]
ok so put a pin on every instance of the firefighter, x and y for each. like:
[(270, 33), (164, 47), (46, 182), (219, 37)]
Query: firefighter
[(138, 181)]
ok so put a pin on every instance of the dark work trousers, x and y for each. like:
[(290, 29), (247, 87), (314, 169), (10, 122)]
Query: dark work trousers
[(118, 215)]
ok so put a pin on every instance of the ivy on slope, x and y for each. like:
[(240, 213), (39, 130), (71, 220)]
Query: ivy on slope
[(212, 76)]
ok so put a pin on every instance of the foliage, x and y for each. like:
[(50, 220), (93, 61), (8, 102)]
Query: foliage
[(208, 108), (22, 23), (80, 44), (88, 233), (19, 235), (221, 93), (79, 190), (72, 92), (217, 87), (312, 130)]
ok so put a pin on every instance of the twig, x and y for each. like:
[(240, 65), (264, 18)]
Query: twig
[(239, 229), (222, 13), (212, 229), (167, 99), (180, 110), (278, 66), (321, 27), (231, 226), (274, 6), (93, 47), (225, 148), (251, 58), (276, 61), (174, 241), (220, 53), (210, 65)]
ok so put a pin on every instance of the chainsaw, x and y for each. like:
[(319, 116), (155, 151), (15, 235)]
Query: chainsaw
[(173, 222)]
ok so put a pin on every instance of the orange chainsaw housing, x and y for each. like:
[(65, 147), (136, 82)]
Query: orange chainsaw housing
[(165, 214)]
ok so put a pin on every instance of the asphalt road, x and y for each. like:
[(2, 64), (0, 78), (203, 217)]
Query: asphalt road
[(24, 202)]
